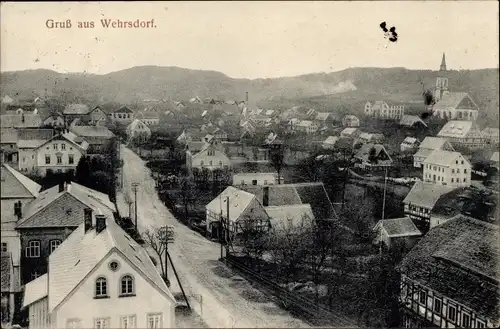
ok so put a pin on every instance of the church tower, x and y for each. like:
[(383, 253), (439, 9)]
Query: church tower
[(441, 81)]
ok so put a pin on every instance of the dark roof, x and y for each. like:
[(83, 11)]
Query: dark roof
[(20, 121), (6, 271), (76, 109), (293, 194), (400, 227), (459, 259), (35, 134), (8, 136), (123, 109)]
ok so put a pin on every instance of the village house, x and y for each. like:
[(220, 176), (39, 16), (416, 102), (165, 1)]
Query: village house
[(412, 121), (196, 100), (217, 132), (21, 120), (100, 139), (137, 129), (28, 142), (9, 289), (447, 168), (46, 222), (409, 144), (463, 134), (491, 136), (8, 146), (123, 115), (190, 134), (323, 119), (60, 154), (243, 207), (350, 132), (380, 109), (329, 143), (350, 121), (452, 105), (150, 118), (97, 116), (396, 231), (211, 157), (370, 138), (285, 219), (428, 145), (306, 126), (450, 280), (372, 156), (73, 111), (99, 277), (260, 178), (52, 118)]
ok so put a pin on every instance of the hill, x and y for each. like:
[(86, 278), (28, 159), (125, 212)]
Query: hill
[(347, 88)]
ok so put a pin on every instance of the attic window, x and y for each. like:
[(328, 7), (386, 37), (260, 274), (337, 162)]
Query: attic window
[(131, 246), (138, 258)]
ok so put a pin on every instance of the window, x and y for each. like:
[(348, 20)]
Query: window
[(453, 171), (480, 324), (54, 244), (63, 146), (55, 146), (202, 163), (128, 321), (422, 297), (113, 266), (465, 180), (242, 182), (437, 305), (5, 247), (73, 323), (465, 171), (210, 152), (458, 171), (456, 162), (127, 285), (210, 163), (154, 320), (452, 180), (35, 275), (101, 323), (101, 287), (452, 313), (220, 163), (71, 158), (24, 159), (33, 249), (47, 159), (59, 159), (462, 162), (465, 320), (265, 182)]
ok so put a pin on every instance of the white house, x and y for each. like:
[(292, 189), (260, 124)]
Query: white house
[(211, 156), (329, 142), (428, 145), (306, 126), (350, 121), (447, 168), (390, 231), (99, 277), (409, 144), (350, 132), (138, 129), (462, 134), (260, 178), (380, 109)]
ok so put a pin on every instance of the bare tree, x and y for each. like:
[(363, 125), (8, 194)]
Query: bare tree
[(157, 239), (276, 155)]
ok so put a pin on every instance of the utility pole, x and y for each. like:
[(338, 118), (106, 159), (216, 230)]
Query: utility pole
[(135, 187), (385, 187), (168, 237), (227, 229)]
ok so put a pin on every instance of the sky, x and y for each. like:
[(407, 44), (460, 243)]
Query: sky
[(251, 39)]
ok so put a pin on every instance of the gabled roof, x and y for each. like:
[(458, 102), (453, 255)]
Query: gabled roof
[(92, 131), (313, 194), (457, 129), (20, 121), (442, 158), (16, 185), (348, 131), (8, 136), (322, 116), (239, 200), (134, 124), (283, 217), (452, 100), (82, 252), (459, 259), (76, 109), (364, 152), (331, 140), (399, 227), (426, 195), (69, 204), (410, 120), (434, 143), (123, 109), (70, 137)]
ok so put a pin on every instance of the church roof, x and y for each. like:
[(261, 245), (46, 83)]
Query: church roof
[(452, 100)]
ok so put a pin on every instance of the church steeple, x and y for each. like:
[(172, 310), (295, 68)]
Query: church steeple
[(443, 64)]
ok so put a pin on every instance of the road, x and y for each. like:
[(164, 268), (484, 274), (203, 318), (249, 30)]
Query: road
[(226, 300)]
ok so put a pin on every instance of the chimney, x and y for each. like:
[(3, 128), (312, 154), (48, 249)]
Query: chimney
[(100, 223), (246, 98), (18, 209), (61, 187), (87, 219), (265, 197)]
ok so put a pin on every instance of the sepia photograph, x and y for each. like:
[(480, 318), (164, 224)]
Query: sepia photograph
[(250, 164)]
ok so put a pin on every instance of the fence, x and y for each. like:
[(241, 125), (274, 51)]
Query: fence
[(316, 313)]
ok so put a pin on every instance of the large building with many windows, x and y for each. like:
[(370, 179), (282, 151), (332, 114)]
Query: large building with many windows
[(99, 277), (450, 279)]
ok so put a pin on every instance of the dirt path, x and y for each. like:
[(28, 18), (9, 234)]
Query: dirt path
[(227, 300)]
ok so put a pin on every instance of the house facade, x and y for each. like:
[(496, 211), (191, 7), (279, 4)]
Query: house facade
[(444, 283), (381, 110), (350, 121), (97, 116), (463, 134), (256, 179), (396, 231), (100, 139), (60, 154), (123, 115), (211, 157), (428, 145), (447, 168), (8, 146), (491, 136), (100, 278), (372, 156), (409, 144), (48, 220), (138, 129), (306, 126)]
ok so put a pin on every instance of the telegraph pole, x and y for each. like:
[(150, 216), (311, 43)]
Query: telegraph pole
[(168, 237), (385, 188), (227, 229), (135, 187)]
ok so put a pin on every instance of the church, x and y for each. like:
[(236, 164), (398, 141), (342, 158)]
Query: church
[(452, 105)]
